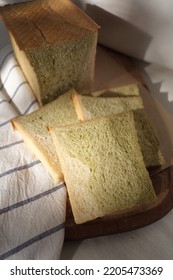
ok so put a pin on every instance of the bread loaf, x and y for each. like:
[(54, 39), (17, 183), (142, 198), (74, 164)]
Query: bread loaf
[(103, 166), (88, 107), (33, 128), (55, 45)]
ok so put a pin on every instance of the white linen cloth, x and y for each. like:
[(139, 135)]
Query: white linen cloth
[(32, 208)]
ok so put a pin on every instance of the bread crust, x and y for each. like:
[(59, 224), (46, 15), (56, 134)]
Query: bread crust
[(41, 23)]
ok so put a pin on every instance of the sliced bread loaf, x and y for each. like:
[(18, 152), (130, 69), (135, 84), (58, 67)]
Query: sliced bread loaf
[(55, 45), (103, 166), (88, 107), (33, 128)]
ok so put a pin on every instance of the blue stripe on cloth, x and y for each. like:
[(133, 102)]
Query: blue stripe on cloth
[(18, 168), (4, 59), (6, 79), (2, 101), (11, 145), (29, 107), (4, 123), (18, 87), (30, 199), (32, 241)]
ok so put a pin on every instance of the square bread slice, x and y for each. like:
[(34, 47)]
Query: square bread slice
[(129, 90), (88, 107), (103, 166), (55, 45), (33, 128)]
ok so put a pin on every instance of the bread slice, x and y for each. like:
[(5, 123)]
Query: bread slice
[(33, 128), (103, 166), (129, 90), (55, 45), (88, 107)]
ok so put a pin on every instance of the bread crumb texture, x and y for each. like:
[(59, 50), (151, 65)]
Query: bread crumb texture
[(33, 128), (129, 90), (103, 166), (57, 42), (88, 107)]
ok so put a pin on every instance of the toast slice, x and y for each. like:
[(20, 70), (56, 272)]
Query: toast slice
[(33, 128), (88, 107), (129, 90), (102, 165)]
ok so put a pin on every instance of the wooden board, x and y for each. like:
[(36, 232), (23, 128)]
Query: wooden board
[(129, 219)]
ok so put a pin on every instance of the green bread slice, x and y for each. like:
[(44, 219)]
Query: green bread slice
[(33, 128), (103, 166), (88, 107), (123, 91)]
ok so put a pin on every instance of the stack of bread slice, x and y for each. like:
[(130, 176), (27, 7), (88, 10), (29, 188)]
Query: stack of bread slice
[(95, 145), (88, 107), (103, 166)]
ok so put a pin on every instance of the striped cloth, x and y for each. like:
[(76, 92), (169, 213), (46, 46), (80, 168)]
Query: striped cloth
[(32, 208)]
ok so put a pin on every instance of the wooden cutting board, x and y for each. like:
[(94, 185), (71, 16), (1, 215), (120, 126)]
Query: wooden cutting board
[(128, 219)]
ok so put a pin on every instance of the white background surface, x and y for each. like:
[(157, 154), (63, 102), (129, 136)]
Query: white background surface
[(137, 27), (154, 42)]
